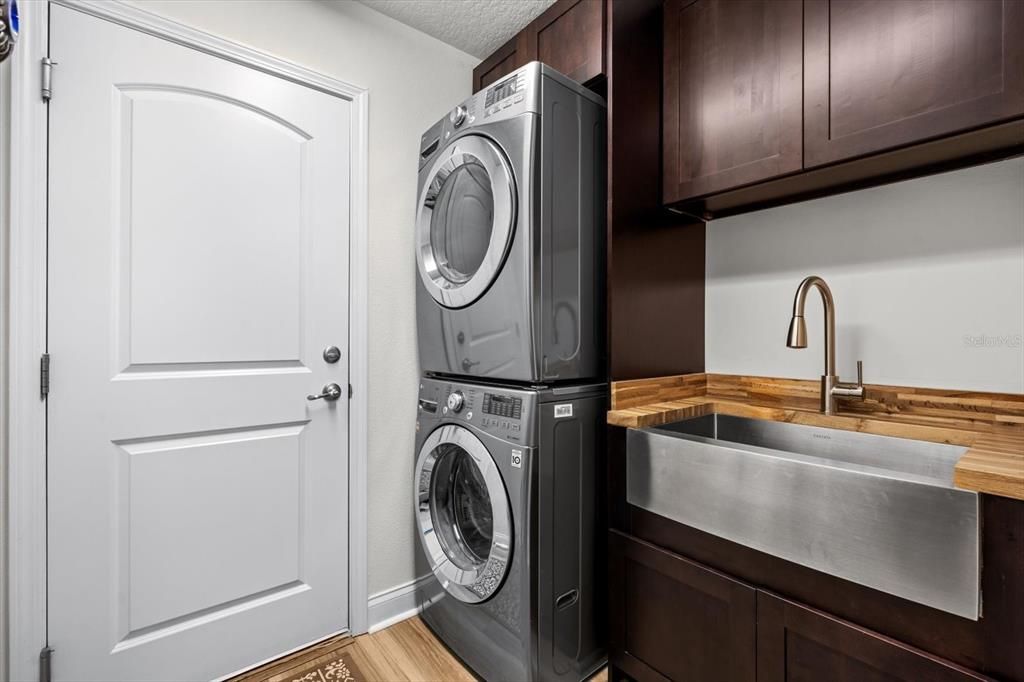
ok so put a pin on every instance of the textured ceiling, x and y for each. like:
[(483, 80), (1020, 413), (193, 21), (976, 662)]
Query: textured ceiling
[(478, 27)]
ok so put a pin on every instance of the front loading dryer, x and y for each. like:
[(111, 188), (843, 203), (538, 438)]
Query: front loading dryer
[(507, 487), (510, 233)]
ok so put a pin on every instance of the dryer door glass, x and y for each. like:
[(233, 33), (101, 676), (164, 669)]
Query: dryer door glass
[(463, 513), (460, 224), (465, 219)]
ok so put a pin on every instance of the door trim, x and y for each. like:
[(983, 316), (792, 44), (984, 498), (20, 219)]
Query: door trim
[(25, 570), (26, 435)]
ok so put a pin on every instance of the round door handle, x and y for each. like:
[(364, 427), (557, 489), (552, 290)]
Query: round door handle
[(329, 392)]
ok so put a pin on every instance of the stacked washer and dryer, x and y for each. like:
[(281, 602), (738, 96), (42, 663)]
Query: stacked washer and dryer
[(510, 311)]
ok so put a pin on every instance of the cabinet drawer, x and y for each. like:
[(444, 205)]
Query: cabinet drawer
[(674, 619), (798, 644)]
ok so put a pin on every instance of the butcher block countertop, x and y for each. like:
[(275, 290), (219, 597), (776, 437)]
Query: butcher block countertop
[(991, 425)]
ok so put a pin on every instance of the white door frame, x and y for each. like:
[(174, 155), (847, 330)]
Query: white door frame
[(26, 444)]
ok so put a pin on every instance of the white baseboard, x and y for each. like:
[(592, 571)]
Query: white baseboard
[(402, 601)]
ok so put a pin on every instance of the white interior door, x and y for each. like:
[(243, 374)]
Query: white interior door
[(198, 266)]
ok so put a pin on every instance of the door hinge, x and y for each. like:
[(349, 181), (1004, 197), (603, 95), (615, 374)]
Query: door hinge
[(47, 85), (44, 375), (44, 664), (350, 391)]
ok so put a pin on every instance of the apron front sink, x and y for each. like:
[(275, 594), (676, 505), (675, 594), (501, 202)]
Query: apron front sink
[(875, 510)]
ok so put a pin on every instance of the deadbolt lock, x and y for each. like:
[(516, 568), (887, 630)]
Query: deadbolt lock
[(332, 354)]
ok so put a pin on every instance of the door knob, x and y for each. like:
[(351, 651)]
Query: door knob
[(330, 392)]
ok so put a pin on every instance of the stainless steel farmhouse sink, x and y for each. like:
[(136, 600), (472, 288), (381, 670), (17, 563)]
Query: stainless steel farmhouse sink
[(876, 510)]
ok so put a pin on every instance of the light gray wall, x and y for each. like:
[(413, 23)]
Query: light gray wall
[(928, 277), (413, 80)]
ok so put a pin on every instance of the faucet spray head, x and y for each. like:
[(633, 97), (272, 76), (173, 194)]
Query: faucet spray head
[(797, 337)]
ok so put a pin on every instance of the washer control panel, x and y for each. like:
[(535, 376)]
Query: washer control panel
[(456, 399), (500, 405), (504, 413)]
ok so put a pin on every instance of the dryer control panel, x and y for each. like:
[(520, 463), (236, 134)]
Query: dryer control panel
[(504, 94)]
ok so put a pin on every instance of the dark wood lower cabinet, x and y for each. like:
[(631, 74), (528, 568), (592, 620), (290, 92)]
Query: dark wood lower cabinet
[(672, 618), (675, 619), (799, 644)]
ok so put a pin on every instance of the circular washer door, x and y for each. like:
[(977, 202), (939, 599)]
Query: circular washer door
[(464, 221), (463, 513)]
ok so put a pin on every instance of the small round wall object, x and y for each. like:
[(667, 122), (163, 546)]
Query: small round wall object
[(332, 354)]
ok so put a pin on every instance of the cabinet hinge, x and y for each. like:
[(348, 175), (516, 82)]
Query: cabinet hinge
[(47, 85), (44, 375), (44, 664)]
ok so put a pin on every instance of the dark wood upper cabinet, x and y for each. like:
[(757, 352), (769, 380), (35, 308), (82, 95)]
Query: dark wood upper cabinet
[(674, 619), (799, 644), (568, 36), (880, 75), (732, 94), (769, 101), (505, 60)]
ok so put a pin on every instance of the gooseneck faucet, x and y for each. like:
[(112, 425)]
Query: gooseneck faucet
[(831, 386)]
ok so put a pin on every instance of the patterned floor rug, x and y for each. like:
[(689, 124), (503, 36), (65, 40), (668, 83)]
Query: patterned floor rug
[(337, 666)]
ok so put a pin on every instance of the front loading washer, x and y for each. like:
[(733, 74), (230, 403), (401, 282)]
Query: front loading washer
[(510, 233), (506, 494)]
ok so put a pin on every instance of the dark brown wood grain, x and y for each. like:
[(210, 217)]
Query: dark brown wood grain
[(680, 620), (656, 263), (974, 147), (506, 59), (799, 644), (881, 75), (569, 37), (732, 94)]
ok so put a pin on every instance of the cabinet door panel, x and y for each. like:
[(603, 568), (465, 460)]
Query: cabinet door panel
[(515, 53), (674, 619), (569, 38), (799, 644), (732, 94), (880, 74)]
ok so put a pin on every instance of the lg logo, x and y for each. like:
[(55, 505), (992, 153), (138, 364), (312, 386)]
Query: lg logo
[(517, 459)]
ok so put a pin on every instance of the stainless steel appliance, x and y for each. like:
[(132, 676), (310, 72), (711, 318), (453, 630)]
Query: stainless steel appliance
[(510, 233), (507, 516), (875, 510)]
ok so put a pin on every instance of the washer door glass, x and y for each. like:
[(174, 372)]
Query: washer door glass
[(465, 220), (463, 514)]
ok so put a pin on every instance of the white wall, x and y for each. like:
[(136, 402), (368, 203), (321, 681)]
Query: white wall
[(413, 80), (919, 269)]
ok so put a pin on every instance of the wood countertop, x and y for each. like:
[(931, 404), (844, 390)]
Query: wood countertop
[(991, 425)]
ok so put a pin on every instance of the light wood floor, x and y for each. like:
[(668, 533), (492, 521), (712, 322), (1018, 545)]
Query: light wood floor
[(404, 652)]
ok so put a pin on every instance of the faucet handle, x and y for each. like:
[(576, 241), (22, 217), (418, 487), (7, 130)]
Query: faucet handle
[(846, 389)]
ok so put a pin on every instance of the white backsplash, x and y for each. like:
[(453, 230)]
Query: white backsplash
[(928, 277)]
